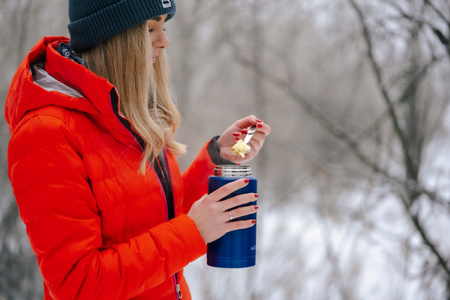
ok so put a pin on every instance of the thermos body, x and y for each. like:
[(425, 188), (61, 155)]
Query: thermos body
[(236, 249)]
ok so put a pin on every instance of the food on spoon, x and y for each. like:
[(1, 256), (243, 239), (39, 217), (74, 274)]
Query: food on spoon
[(240, 148)]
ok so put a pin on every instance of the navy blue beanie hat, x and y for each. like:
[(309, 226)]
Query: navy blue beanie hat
[(95, 21)]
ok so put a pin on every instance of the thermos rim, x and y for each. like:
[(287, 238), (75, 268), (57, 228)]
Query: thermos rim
[(232, 170)]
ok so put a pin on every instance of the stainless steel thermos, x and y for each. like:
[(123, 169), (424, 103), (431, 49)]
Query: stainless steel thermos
[(236, 249)]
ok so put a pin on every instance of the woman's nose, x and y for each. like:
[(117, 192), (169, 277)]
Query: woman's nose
[(162, 41)]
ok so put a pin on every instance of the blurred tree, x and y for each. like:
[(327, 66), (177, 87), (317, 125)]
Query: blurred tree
[(404, 64), (22, 23), (414, 122), (17, 262)]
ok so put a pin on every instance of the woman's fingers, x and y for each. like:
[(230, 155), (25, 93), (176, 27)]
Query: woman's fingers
[(243, 199), (240, 128), (211, 215), (240, 212), (227, 189), (246, 122), (256, 143), (262, 130), (231, 226)]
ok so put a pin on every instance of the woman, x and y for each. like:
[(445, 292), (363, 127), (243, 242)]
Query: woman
[(92, 159)]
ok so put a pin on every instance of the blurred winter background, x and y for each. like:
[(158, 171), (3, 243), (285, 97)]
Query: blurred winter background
[(355, 178)]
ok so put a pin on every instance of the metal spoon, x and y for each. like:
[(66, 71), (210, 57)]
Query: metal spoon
[(248, 137)]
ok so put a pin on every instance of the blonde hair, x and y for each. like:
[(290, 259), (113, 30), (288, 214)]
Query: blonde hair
[(145, 99)]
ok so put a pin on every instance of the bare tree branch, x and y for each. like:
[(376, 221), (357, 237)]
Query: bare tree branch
[(445, 41), (417, 223), (411, 167), (341, 134), (438, 12)]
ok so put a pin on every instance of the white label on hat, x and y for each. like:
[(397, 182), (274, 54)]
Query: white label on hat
[(166, 3)]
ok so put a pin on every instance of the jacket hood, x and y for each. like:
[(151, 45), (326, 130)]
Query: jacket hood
[(45, 78)]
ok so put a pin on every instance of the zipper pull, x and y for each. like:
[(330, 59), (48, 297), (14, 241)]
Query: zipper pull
[(180, 296)]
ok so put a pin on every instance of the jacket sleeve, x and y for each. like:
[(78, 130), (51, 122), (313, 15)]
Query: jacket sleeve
[(63, 224), (195, 178)]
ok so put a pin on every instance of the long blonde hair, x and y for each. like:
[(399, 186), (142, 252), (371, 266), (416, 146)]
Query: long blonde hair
[(145, 99)]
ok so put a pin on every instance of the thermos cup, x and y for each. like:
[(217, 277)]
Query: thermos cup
[(236, 249)]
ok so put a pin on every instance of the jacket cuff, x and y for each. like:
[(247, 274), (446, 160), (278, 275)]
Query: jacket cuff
[(214, 153), (188, 233)]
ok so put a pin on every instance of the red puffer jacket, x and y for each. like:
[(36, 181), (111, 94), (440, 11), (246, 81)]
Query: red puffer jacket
[(98, 229)]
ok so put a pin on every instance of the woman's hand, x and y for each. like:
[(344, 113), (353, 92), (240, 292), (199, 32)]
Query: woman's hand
[(238, 131), (212, 216)]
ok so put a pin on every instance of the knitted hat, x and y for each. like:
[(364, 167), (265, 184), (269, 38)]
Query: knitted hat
[(95, 21)]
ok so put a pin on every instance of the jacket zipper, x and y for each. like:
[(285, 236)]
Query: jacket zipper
[(178, 294)]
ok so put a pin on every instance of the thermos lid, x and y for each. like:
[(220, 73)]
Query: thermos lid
[(232, 171)]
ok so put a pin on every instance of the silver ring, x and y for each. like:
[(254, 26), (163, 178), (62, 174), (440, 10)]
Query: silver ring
[(231, 217)]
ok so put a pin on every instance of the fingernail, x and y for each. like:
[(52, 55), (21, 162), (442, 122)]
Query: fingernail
[(256, 207), (256, 196), (244, 131), (259, 125), (253, 221), (246, 180), (236, 138), (236, 134)]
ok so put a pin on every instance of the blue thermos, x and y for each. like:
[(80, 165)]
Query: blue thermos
[(236, 249)]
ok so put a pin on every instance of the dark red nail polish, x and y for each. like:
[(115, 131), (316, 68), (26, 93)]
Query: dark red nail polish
[(260, 125), (236, 134), (256, 196), (246, 180), (253, 221), (256, 207), (244, 131)]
